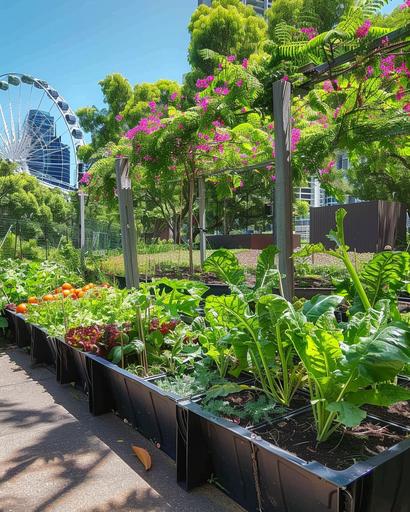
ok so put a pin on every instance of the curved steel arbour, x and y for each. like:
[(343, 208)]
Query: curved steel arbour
[(38, 130)]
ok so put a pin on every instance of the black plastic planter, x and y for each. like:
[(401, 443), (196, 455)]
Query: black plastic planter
[(73, 366), (143, 404), (23, 331), (263, 477), (11, 329), (43, 348)]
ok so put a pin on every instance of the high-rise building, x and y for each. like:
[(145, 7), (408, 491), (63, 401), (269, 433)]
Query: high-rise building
[(49, 158), (260, 6)]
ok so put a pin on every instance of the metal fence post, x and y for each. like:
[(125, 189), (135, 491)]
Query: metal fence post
[(283, 188), (202, 219), (128, 231)]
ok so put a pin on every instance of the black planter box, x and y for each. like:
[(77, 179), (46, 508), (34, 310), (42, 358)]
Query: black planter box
[(11, 329), (143, 404), (261, 476), (23, 331), (73, 366), (43, 347)]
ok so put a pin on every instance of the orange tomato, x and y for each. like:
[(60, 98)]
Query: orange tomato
[(80, 294), (78, 290), (66, 292), (48, 297), (32, 300), (86, 288), (67, 286), (21, 308), (58, 290)]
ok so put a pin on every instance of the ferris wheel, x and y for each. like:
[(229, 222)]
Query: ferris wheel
[(39, 131)]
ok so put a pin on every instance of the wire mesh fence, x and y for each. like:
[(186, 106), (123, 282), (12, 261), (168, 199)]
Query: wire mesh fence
[(27, 238)]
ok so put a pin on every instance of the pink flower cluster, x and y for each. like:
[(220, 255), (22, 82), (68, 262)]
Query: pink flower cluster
[(245, 63), (146, 125), (387, 65), (328, 168), (363, 30), (330, 86), (202, 102), (85, 178), (295, 139), (119, 117), (222, 137), (203, 83), (222, 91), (173, 96), (405, 5), (231, 58), (310, 32)]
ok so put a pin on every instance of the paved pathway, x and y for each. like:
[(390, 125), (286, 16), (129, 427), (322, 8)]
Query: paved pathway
[(55, 456)]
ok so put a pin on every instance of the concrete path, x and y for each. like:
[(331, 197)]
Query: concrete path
[(55, 456)]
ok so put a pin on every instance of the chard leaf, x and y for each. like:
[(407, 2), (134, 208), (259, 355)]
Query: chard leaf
[(383, 276), (266, 272), (221, 390), (225, 265), (380, 356), (319, 351), (231, 311), (321, 304), (383, 395), (350, 415)]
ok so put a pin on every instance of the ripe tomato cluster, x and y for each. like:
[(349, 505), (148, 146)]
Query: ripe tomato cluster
[(66, 290)]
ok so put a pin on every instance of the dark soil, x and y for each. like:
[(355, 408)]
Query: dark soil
[(346, 447), (398, 413), (239, 400)]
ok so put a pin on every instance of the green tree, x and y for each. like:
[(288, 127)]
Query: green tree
[(227, 27)]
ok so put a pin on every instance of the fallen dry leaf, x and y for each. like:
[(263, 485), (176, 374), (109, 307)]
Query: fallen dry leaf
[(143, 456)]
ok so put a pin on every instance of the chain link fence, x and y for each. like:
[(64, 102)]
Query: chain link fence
[(25, 238)]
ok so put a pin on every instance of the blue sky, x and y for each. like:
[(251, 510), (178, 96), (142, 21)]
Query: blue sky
[(74, 44)]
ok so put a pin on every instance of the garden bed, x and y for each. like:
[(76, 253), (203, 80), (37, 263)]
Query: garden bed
[(260, 475)]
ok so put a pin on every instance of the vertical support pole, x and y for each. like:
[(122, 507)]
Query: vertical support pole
[(128, 231), (283, 188), (202, 219), (82, 225)]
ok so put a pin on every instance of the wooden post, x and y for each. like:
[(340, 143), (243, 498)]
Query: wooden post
[(128, 231), (202, 219), (283, 188)]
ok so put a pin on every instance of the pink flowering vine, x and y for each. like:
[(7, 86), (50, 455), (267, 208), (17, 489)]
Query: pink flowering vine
[(363, 30), (295, 138), (85, 178), (146, 125), (369, 71), (387, 65), (231, 58), (239, 83), (203, 83), (173, 96), (222, 91), (245, 63), (400, 93), (309, 32), (119, 117), (405, 5), (406, 108), (328, 168), (222, 137)]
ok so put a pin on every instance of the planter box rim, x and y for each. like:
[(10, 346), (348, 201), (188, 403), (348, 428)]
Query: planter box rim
[(340, 478)]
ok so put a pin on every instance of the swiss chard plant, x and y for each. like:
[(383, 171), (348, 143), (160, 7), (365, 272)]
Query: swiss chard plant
[(225, 265), (263, 337), (352, 365), (381, 278)]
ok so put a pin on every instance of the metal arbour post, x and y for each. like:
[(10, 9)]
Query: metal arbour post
[(283, 187), (202, 219), (128, 231)]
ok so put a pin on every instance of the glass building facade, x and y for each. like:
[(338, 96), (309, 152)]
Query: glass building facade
[(260, 6), (49, 157)]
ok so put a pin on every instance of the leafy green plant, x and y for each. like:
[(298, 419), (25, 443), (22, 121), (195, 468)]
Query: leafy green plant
[(381, 278), (225, 265), (352, 367)]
